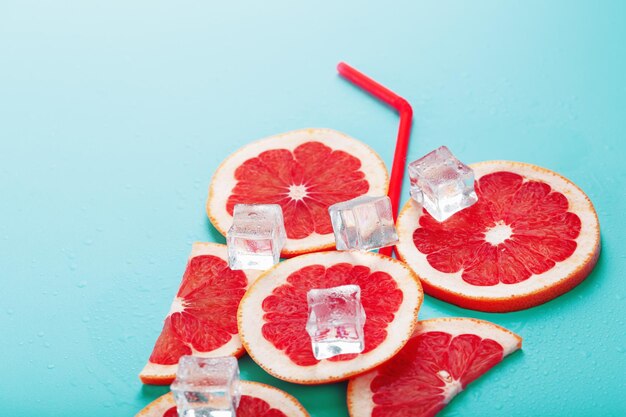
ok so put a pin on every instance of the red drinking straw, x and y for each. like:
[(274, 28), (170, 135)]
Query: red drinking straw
[(404, 131)]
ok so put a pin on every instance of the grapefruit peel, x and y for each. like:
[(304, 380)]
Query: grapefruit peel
[(281, 403), (251, 317), (528, 292), (304, 171), (170, 344), (428, 388)]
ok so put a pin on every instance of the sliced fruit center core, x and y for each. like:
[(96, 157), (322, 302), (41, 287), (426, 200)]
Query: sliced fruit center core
[(452, 386), (178, 306), (498, 233), (286, 310), (297, 192)]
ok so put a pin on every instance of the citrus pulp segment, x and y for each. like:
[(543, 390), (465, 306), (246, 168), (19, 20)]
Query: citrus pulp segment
[(272, 315), (304, 171), (440, 359), (532, 236), (257, 400), (202, 319)]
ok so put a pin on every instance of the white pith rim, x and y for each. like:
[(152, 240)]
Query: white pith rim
[(276, 398), (277, 363), (233, 346), (360, 403), (224, 181), (587, 241)]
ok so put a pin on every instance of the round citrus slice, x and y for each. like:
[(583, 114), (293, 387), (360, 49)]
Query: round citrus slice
[(257, 400), (304, 171), (203, 318), (272, 315), (440, 359), (532, 236)]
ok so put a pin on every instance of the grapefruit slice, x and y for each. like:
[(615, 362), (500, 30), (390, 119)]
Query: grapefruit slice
[(440, 359), (304, 171), (202, 320), (257, 400), (532, 236), (273, 313)]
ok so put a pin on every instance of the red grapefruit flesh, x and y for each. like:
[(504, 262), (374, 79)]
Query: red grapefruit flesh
[(532, 236), (273, 313), (304, 171), (440, 359), (202, 320), (257, 400)]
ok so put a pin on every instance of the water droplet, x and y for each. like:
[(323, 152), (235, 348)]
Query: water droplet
[(9, 312), (88, 242), (40, 334), (51, 366), (82, 284)]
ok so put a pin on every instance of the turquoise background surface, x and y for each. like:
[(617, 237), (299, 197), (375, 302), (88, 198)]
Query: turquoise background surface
[(114, 115)]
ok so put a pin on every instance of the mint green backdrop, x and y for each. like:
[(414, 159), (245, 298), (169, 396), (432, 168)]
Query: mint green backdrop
[(114, 115)]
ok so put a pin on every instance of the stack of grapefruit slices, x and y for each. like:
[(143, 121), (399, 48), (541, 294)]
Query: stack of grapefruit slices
[(532, 236)]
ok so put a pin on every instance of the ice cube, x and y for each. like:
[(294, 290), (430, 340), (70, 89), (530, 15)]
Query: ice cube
[(442, 184), (256, 237), (364, 223), (207, 387), (336, 320)]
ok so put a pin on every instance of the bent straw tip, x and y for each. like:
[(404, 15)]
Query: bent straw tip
[(342, 66)]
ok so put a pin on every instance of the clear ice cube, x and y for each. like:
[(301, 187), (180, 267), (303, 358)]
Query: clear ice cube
[(207, 387), (442, 184), (256, 237), (336, 320), (363, 223)]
